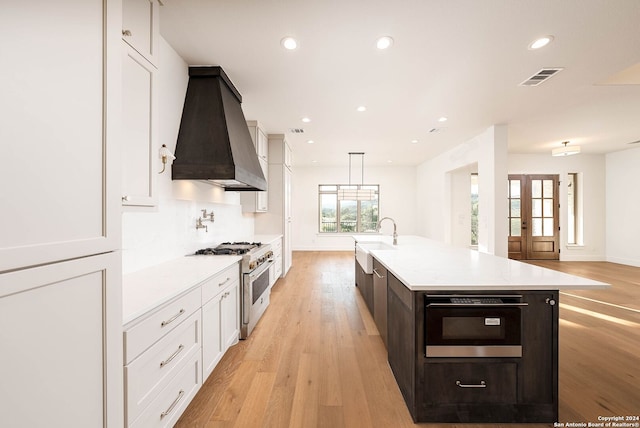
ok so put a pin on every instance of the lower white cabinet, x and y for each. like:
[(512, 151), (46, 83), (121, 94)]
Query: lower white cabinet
[(60, 344), (220, 323), (172, 348), (150, 373)]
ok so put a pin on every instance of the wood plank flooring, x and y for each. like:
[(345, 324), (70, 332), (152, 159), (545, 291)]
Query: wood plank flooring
[(316, 359)]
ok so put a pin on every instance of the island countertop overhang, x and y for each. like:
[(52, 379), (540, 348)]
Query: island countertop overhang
[(423, 264)]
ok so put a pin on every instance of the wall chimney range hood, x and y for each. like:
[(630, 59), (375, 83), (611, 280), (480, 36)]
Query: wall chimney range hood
[(214, 143)]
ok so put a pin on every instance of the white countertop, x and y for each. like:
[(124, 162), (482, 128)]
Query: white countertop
[(425, 264), (149, 288)]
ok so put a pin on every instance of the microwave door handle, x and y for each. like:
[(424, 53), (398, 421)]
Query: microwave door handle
[(476, 305)]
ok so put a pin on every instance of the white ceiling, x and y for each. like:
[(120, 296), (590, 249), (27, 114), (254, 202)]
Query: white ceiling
[(462, 59)]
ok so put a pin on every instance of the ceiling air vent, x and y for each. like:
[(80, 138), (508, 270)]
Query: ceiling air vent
[(541, 76), (296, 130), (434, 130), (634, 142)]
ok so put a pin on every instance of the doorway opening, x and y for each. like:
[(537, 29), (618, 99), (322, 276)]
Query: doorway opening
[(534, 224)]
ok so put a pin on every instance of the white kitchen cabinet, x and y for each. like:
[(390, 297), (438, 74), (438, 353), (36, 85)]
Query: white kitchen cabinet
[(60, 268), (258, 202), (60, 106), (159, 345), (220, 317), (61, 345), (139, 129), (278, 219), (276, 247), (140, 27)]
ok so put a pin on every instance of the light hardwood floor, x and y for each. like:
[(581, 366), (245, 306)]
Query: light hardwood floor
[(316, 358)]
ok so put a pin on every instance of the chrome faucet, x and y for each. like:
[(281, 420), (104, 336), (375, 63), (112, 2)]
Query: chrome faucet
[(395, 234)]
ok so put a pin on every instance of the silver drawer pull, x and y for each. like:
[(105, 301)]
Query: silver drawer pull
[(170, 409), (175, 354), (379, 276), (172, 319), (223, 282), (462, 385)]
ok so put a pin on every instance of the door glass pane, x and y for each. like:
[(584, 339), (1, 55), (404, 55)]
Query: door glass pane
[(536, 188), (514, 188), (516, 229), (547, 208), (548, 227), (547, 189), (536, 227), (536, 207), (515, 208)]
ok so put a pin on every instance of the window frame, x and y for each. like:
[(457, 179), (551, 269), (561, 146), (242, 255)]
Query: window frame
[(358, 228)]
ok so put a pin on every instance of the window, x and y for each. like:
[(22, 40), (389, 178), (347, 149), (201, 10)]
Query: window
[(474, 209), (574, 221), (347, 216)]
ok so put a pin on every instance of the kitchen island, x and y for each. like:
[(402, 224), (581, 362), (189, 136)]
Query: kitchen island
[(471, 337)]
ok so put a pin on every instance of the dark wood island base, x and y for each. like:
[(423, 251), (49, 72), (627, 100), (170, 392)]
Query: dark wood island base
[(475, 389)]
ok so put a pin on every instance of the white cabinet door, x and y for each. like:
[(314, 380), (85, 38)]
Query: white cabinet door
[(230, 317), (140, 27), (212, 348), (139, 113), (286, 200), (262, 198), (61, 339), (60, 109), (262, 145)]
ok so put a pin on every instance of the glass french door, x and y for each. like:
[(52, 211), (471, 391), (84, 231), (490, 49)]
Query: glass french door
[(534, 226)]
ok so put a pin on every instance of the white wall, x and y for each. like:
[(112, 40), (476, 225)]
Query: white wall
[(397, 200), (592, 174), (436, 187), (153, 236), (623, 207), (461, 206)]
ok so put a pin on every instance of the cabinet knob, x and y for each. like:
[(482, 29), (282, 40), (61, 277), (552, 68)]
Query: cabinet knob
[(126, 33), (549, 301)]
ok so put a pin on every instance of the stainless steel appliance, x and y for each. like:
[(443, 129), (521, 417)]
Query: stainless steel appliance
[(256, 260), (465, 325)]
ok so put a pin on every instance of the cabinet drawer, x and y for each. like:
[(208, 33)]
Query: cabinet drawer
[(276, 247), (150, 372), (217, 283), (165, 410), (471, 383), (145, 333)]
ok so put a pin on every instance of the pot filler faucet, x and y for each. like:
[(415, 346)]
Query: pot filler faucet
[(395, 234)]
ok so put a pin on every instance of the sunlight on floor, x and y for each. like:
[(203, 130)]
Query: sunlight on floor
[(600, 315)]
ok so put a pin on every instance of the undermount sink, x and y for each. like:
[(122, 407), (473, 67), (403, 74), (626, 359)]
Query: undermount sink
[(363, 253)]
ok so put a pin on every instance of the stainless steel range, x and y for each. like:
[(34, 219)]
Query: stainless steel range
[(256, 260)]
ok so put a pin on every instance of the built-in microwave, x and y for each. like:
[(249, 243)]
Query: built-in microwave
[(468, 325)]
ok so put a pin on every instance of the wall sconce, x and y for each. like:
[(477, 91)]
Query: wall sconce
[(165, 154)]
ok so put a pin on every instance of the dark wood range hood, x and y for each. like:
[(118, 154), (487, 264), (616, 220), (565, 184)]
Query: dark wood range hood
[(214, 143)]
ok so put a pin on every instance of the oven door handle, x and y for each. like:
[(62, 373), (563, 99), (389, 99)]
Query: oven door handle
[(259, 270), (475, 305)]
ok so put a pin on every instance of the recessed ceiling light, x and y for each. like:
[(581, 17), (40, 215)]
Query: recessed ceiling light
[(541, 42), (306, 120), (442, 119), (314, 161), (361, 108), (414, 141), (310, 141), (289, 43), (389, 161), (384, 42)]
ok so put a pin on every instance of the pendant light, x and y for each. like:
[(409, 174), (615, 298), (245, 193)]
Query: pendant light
[(565, 150), (352, 192)]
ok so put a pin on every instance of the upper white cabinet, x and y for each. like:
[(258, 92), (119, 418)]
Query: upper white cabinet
[(258, 201), (60, 106), (278, 219), (139, 129), (140, 27), (140, 31)]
